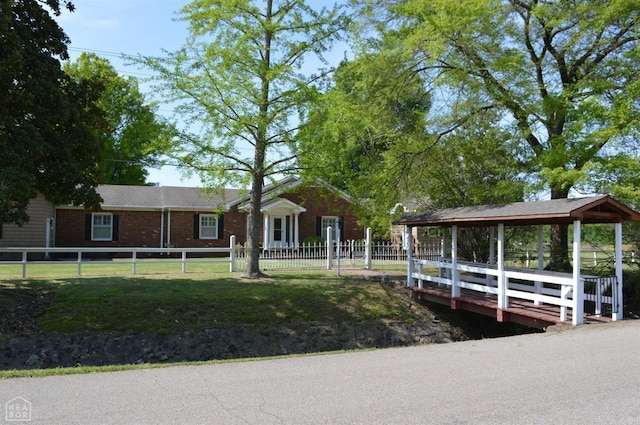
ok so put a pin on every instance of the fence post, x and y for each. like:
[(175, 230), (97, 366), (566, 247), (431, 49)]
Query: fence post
[(134, 257), (408, 232), (24, 264), (79, 263), (329, 248), (184, 261), (232, 254), (368, 249), (338, 249)]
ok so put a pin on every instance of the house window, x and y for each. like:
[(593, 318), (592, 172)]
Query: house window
[(329, 221), (102, 227), (208, 226)]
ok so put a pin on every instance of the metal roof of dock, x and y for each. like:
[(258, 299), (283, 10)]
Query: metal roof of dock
[(592, 209)]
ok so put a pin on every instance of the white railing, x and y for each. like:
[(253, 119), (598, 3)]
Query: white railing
[(83, 256), (538, 286)]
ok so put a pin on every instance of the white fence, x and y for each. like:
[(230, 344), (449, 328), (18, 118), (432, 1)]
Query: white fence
[(133, 256), (352, 254)]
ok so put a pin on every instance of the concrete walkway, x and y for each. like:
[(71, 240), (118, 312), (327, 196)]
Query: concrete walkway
[(587, 375)]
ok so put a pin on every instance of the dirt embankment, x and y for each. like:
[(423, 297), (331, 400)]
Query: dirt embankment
[(24, 346)]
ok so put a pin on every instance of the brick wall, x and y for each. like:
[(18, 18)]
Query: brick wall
[(143, 228), (320, 202)]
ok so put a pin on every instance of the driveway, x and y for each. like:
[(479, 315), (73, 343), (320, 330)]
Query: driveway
[(586, 375)]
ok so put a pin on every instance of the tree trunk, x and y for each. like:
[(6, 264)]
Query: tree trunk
[(559, 240), (252, 268)]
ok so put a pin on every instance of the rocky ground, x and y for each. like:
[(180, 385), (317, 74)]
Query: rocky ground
[(24, 346)]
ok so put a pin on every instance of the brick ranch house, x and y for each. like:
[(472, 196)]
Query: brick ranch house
[(160, 217)]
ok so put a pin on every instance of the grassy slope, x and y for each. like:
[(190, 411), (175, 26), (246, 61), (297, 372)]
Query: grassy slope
[(174, 303)]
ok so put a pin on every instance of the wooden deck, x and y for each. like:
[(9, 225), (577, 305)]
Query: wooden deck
[(519, 311)]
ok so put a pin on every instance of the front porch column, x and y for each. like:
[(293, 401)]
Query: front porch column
[(296, 231), (502, 279), (578, 283), (265, 236), (455, 274), (618, 312)]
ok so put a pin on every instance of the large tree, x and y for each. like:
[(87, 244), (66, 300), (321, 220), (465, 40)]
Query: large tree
[(374, 105), (240, 91), (131, 134), (46, 139), (563, 74)]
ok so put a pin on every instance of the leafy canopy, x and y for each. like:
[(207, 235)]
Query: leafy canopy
[(132, 134), (46, 119)]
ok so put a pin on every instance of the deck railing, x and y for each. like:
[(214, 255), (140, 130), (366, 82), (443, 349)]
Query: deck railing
[(537, 286)]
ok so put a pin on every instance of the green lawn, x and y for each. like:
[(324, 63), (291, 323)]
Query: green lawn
[(171, 303)]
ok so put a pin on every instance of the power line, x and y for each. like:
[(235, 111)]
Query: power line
[(111, 54)]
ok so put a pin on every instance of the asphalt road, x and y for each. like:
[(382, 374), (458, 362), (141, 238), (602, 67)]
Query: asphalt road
[(588, 375)]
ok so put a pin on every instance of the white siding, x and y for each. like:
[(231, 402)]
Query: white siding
[(33, 233)]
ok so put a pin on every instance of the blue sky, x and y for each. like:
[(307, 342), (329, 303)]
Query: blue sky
[(111, 28)]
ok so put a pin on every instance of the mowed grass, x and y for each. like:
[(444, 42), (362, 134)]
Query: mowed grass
[(173, 303)]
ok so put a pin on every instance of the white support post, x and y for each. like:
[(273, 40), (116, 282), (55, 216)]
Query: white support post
[(329, 248), (538, 285), (232, 253), (265, 236), (24, 264), (455, 274), (296, 230), (578, 283), (410, 266), (368, 249), (618, 312), (134, 258), (503, 301), (338, 248), (184, 261)]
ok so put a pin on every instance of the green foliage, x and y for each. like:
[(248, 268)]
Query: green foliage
[(375, 105), (131, 134), (561, 77), (561, 73), (46, 119)]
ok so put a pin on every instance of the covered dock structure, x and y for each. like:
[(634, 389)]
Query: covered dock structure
[(530, 296)]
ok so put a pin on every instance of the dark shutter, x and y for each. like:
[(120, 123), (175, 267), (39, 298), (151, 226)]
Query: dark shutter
[(341, 227), (115, 231), (319, 226), (0, 230), (196, 226), (221, 227), (87, 227)]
